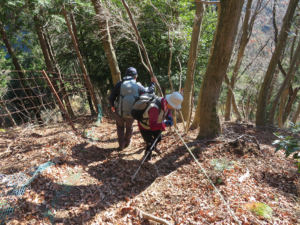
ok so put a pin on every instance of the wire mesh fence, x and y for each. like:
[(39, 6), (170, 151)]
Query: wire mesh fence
[(27, 97)]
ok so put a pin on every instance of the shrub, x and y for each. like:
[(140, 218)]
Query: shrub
[(290, 145)]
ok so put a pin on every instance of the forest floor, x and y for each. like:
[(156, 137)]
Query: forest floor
[(91, 181)]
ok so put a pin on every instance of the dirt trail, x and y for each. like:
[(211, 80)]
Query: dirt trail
[(91, 181)]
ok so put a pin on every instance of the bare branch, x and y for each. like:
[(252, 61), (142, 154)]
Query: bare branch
[(254, 58), (142, 60), (210, 3)]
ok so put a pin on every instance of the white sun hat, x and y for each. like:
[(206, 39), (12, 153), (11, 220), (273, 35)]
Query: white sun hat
[(175, 99)]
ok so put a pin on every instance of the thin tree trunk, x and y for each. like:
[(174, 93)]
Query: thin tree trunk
[(236, 110), (85, 74), (247, 108), (21, 75), (273, 85), (65, 96), (292, 98), (186, 104), (196, 121), (281, 107), (261, 117), (296, 114), (285, 84), (106, 41), (74, 27), (47, 59), (89, 69), (243, 44), (289, 106), (229, 16)]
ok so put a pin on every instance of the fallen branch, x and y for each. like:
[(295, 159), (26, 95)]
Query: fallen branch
[(151, 217), (246, 135)]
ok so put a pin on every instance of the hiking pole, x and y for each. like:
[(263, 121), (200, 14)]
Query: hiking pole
[(145, 157)]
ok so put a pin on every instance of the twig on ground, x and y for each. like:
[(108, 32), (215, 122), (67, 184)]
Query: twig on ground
[(151, 217)]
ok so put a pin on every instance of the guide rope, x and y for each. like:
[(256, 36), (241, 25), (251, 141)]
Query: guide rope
[(232, 213)]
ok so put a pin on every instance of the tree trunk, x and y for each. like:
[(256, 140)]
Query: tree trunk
[(74, 27), (236, 110), (192, 61), (289, 106), (21, 75), (281, 107), (292, 98), (261, 117), (196, 121), (273, 85), (47, 59), (296, 114), (229, 16), (247, 108), (285, 84), (239, 60), (85, 74), (106, 41)]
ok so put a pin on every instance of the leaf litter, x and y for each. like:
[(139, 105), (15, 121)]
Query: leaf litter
[(91, 181)]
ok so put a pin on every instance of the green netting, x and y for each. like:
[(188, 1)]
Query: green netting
[(13, 186), (100, 115), (67, 185)]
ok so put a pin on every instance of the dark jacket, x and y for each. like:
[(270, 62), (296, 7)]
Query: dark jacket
[(116, 90)]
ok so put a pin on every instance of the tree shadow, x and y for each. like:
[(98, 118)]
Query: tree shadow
[(109, 182)]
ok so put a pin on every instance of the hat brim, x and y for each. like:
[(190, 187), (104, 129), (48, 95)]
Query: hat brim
[(170, 103)]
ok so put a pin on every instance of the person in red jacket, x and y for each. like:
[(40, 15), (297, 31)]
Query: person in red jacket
[(158, 116)]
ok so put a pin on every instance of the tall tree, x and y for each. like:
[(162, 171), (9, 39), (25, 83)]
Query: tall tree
[(106, 41), (285, 85), (73, 21), (247, 31), (46, 53), (261, 117), (187, 94), (229, 16)]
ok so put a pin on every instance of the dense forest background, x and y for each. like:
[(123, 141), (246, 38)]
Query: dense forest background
[(166, 29)]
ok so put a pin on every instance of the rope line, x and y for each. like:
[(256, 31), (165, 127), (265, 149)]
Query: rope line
[(232, 213)]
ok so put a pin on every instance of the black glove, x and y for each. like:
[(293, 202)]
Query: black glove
[(169, 123), (170, 118)]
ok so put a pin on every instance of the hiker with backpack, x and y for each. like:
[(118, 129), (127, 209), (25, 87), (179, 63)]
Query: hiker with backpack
[(121, 101), (154, 115)]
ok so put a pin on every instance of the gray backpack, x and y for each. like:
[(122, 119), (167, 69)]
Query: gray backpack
[(141, 104), (129, 92)]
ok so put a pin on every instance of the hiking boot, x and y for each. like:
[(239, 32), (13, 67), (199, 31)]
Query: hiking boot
[(148, 157), (121, 145), (127, 143)]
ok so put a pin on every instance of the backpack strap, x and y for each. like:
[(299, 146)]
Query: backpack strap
[(156, 101)]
